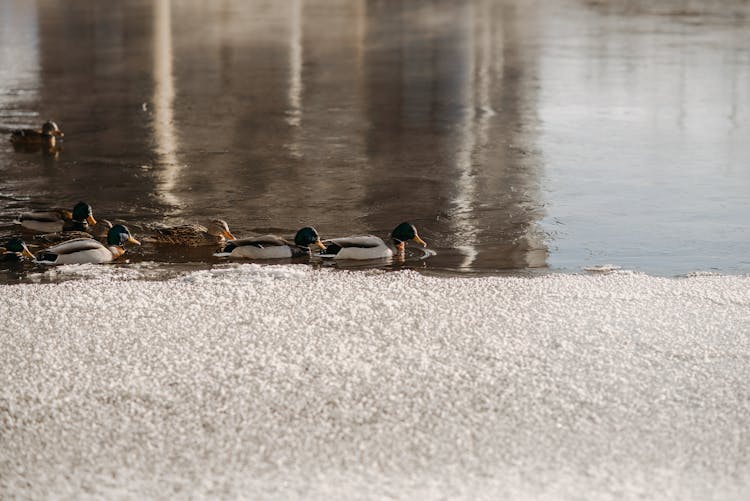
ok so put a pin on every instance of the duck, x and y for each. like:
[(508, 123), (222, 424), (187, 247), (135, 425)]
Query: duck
[(362, 247), (15, 250), (88, 250), (48, 133), (55, 220), (273, 246), (98, 231), (193, 235)]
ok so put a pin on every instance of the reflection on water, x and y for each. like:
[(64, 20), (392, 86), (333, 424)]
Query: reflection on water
[(483, 122), (295, 63), (18, 75), (465, 179), (164, 127), (434, 129)]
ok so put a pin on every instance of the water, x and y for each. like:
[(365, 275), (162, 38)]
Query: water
[(515, 136)]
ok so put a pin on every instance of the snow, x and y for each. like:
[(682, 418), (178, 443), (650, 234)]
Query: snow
[(284, 382)]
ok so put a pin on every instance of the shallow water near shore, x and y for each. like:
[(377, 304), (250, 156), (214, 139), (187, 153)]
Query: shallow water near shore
[(516, 136)]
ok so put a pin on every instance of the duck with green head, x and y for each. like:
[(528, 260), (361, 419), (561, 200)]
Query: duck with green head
[(88, 250), (54, 220), (363, 247), (15, 250), (48, 133), (272, 246)]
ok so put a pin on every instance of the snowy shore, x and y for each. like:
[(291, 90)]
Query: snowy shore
[(285, 382)]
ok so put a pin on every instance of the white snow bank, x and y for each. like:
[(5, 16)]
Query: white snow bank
[(284, 382)]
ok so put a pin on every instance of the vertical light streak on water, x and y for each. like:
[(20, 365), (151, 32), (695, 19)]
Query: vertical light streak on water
[(361, 30), (164, 136), (466, 184), (294, 94), (19, 76), (484, 73)]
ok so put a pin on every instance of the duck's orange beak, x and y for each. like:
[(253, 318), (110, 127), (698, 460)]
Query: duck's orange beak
[(26, 252), (133, 241), (228, 235), (320, 245), (91, 219), (419, 241)]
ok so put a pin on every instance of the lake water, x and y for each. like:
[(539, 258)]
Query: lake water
[(516, 136)]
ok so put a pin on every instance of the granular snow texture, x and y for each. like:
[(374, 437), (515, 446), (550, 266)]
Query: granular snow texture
[(283, 382)]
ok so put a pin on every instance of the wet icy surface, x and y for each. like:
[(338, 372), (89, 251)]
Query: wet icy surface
[(286, 382)]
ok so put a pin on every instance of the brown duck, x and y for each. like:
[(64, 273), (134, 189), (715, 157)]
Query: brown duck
[(48, 133), (193, 235)]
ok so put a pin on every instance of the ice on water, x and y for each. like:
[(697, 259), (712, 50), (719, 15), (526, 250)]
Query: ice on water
[(286, 382)]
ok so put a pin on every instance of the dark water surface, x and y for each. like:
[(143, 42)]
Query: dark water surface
[(515, 135)]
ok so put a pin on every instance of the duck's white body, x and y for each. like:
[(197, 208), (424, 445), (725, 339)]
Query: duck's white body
[(360, 247), (251, 252), (79, 251), (263, 247), (42, 222)]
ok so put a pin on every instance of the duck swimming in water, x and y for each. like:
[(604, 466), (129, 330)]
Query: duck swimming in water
[(88, 250), (272, 246), (48, 133), (362, 247), (193, 235), (15, 250), (59, 219), (98, 231)]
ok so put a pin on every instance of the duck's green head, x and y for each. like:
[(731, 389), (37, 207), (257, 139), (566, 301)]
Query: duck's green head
[(308, 236), (50, 128), (82, 212), (403, 233), (19, 247), (119, 234)]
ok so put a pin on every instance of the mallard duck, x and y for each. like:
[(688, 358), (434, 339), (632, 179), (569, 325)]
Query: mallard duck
[(15, 250), (59, 219), (48, 133), (88, 250), (272, 246), (362, 247), (98, 231), (193, 235)]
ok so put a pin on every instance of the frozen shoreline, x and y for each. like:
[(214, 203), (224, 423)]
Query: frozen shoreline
[(285, 382)]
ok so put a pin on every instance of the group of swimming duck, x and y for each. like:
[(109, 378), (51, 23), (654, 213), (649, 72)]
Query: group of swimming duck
[(78, 235)]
